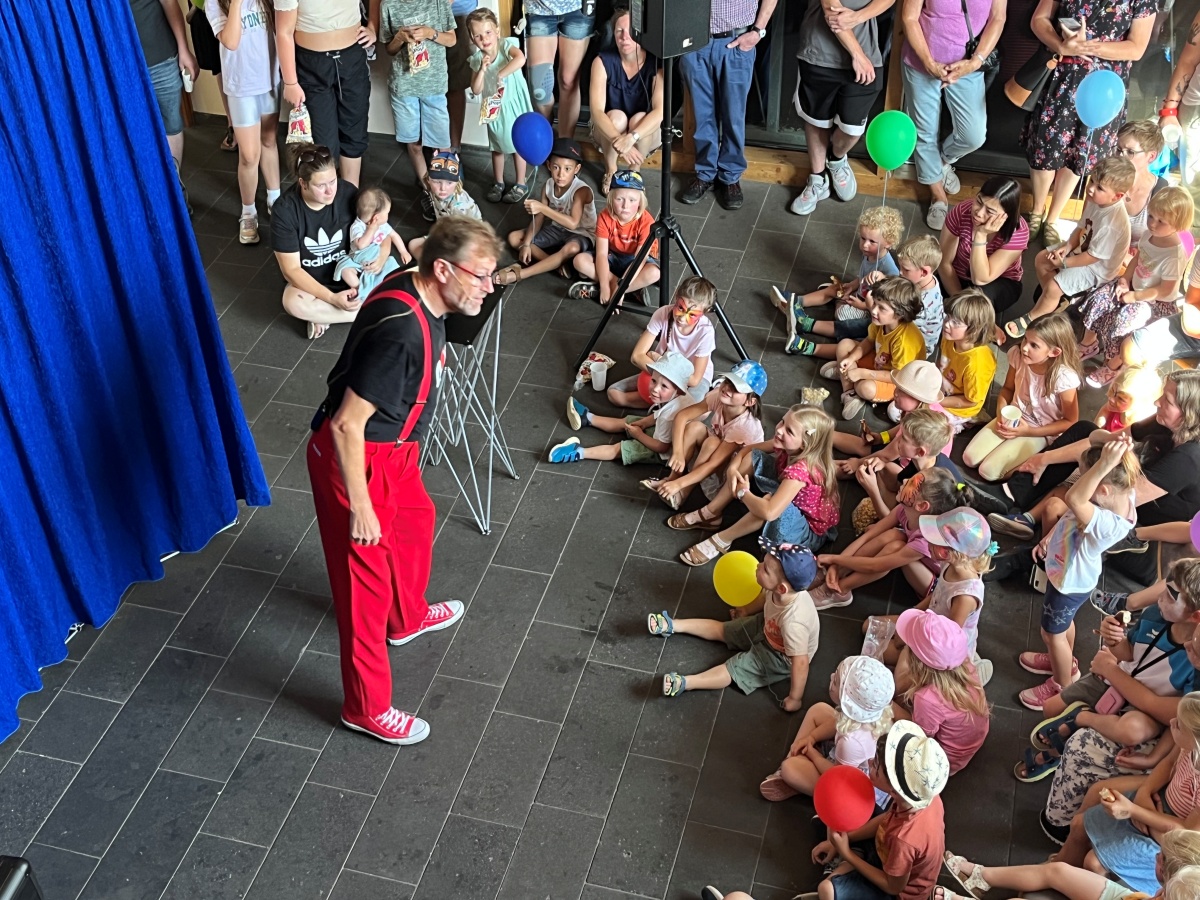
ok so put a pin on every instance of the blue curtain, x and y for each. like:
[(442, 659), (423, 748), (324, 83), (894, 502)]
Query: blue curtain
[(121, 434)]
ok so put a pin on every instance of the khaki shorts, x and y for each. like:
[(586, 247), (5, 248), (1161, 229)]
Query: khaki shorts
[(1088, 689), (759, 664), (633, 452)]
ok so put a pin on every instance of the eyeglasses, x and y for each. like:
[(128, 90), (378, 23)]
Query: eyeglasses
[(1127, 151), (951, 322), (479, 279)]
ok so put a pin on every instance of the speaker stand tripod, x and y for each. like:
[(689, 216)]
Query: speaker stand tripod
[(665, 229)]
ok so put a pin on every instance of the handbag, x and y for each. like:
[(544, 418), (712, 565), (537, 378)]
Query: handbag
[(991, 65), (1024, 88)]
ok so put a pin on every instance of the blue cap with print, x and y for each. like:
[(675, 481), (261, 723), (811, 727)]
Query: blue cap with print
[(747, 376), (799, 564)]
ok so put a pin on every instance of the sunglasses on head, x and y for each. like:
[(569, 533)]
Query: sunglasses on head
[(316, 154)]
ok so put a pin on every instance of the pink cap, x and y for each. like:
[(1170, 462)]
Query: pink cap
[(934, 639)]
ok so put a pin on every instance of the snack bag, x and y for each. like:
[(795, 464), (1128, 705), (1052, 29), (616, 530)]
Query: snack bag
[(299, 126), (489, 109), (418, 57)]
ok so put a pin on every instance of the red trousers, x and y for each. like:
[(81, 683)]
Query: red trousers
[(378, 591)]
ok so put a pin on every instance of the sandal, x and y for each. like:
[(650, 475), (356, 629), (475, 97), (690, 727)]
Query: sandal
[(704, 552), (516, 194), (673, 683), (605, 183), (1036, 221), (229, 142), (1034, 770), (782, 300), (660, 624), (1050, 235), (495, 193), (970, 883), (1017, 327), (315, 330), (1048, 733), (651, 484), (944, 893), (507, 275), (584, 290), (1087, 351), (694, 520)]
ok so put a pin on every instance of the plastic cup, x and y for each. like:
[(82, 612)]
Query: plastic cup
[(1009, 415), (599, 376)]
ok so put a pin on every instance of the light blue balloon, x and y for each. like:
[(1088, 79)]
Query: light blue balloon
[(1099, 98)]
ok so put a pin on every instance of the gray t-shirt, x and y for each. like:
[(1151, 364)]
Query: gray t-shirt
[(819, 46), (396, 14), (158, 41)]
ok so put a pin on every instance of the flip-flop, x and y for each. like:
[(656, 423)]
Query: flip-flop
[(229, 142), (1047, 735), (1035, 771)]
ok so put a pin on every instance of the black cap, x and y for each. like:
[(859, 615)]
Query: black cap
[(567, 148)]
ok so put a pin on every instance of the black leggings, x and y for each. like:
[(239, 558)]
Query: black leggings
[(1025, 493), (1003, 292)]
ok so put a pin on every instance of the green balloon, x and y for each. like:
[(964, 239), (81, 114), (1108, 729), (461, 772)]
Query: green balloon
[(891, 139)]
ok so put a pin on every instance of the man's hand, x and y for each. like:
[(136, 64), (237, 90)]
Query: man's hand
[(839, 18), (187, 60), (1035, 466), (364, 527), (864, 72), (745, 42)]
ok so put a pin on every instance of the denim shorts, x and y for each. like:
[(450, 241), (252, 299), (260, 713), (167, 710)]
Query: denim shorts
[(423, 119), (619, 262), (574, 26), (852, 886), (855, 329), (168, 89), (1058, 609), (792, 526)]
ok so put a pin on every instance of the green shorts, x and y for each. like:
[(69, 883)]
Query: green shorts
[(1087, 688), (633, 452), (759, 664)]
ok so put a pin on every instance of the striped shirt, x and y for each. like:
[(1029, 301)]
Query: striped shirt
[(1183, 790), (960, 223)]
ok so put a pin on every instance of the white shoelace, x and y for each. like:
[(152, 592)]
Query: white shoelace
[(395, 720)]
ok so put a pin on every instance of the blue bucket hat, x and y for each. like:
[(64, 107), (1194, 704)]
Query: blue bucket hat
[(799, 564), (747, 376)]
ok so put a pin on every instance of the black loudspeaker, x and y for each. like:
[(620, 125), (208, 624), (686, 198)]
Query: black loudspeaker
[(670, 28), (17, 881)]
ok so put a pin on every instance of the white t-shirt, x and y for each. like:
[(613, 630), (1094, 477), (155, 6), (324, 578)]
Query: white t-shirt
[(1157, 264), (664, 419), (932, 315), (252, 69), (791, 628), (945, 591), (701, 341), (1104, 233), (1074, 554), (1039, 403)]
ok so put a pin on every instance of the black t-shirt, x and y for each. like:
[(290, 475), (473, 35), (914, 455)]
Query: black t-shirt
[(154, 31), (1175, 469), (383, 361), (320, 236), (941, 461)]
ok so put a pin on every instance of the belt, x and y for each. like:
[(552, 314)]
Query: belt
[(732, 33)]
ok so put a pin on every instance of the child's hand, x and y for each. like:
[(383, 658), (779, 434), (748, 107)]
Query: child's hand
[(738, 612), (1112, 632), (848, 466), (867, 476), (740, 483), (865, 432), (405, 256), (1040, 548), (1127, 297), (791, 705), (633, 429), (1104, 663), (1114, 451), (801, 746), (823, 852), (872, 277), (534, 207), (841, 843), (1116, 804), (1008, 432), (1128, 759), (854, 374), (845, 365), (525, 254)]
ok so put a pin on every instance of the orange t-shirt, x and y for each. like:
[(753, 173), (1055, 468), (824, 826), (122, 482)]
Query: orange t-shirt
[(625, 239)]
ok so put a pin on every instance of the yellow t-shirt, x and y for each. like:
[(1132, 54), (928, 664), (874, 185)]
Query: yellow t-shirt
[(896, 350), (971, 372)]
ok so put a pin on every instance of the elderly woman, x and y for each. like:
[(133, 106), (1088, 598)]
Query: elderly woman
[(626, 99), (937, 67), (559, 28), (310, 227), (323, 59), (1060, 148), (982, 242)]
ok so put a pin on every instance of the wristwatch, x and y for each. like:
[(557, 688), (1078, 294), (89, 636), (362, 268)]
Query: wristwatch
[(741, 493), (762, 33)]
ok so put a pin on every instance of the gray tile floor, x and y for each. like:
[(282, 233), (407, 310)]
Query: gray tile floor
[(191, 749)]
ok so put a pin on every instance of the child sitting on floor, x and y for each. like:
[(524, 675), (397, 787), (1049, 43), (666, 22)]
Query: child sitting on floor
[(917, 387), (937, 687), (776, 635), (893, 341), (880, 228), (684, 327), (894, 542), (793, 496), (846, 736), (965, 355), (648, 438), (449, 196), (1098, 510), (706, 434), (370, 235), (919, 445), (621, 229), (903, 846), (918, 259)]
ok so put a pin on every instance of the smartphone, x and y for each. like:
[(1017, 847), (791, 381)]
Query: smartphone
[(1070, 27)]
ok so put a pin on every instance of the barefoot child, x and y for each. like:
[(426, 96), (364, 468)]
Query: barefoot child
[(1098, 510), (792, 496), (708, 433), (370, 235), (904, 845), (500, 83), (880, 228), (668, 392), (776, 635), (563, 223), (684, 327), (846, 736), (621, 229)]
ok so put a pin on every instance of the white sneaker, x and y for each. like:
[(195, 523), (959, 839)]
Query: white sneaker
[(248, 229), (936, 217), (814, 192), (950, 179), (852, 405), (984, 669), (845, 185), (830, 371)]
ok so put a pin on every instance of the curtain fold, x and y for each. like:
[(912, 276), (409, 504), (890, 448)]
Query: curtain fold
[(121, 433)]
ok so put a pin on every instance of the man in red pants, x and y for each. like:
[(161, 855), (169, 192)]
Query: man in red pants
[(375, 516)]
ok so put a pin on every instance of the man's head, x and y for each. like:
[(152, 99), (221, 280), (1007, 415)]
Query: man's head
[(459, 258)]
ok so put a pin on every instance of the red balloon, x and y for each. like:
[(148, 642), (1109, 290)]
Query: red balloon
[(844, 798), (644, 387)]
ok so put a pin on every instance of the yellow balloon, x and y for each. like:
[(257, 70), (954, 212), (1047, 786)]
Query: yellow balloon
[(733, 577)]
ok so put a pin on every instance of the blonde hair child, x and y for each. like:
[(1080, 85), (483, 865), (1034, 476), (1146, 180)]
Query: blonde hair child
[(621, 229), (965, 355), (918, 259), (499, 81), (862, 688), (917, 443), (1043, 384), (880, 228), (1131, 396), (794, 498), (1150, 288)]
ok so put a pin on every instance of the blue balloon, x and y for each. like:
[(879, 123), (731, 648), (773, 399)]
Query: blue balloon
[(533, 137), (1099, 98)]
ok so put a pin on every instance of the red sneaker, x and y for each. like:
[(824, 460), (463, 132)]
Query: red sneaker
[(391, 726), (440, 615)]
